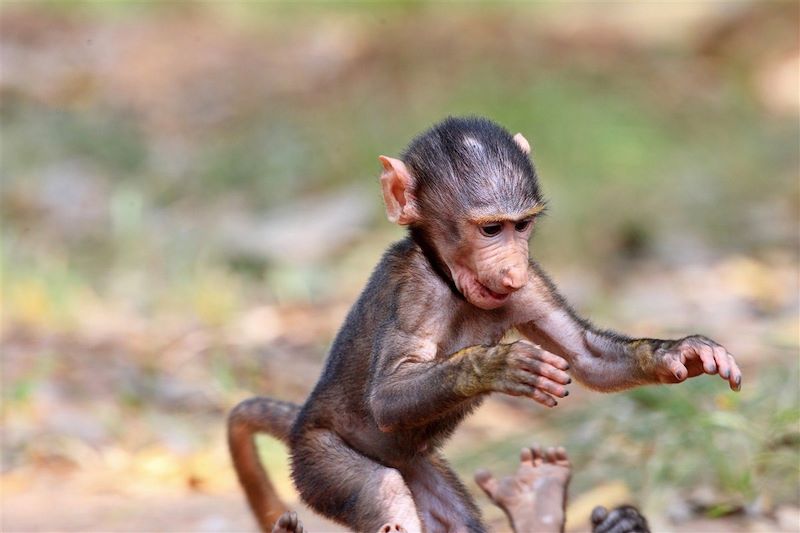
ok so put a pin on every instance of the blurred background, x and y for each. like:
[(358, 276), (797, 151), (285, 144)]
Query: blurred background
[(190, 205)]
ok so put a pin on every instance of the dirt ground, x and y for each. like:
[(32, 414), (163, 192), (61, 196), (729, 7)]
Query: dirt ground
[(124, 498)]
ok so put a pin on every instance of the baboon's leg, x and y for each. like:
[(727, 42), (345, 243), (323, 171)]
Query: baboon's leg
[(442, 500), (350, 488)]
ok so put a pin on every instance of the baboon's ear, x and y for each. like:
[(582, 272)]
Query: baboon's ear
[(397, 185), (523, 143)]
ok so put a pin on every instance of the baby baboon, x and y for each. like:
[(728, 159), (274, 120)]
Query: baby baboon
[(421, 348)]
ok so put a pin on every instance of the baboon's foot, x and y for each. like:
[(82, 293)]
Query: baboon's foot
[(622, 519), (392, 528), (542, 474), (534, 498), (288, 523)]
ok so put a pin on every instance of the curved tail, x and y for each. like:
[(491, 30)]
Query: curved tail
[(259, 415)]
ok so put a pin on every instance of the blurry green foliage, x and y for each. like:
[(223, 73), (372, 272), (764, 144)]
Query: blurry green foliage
[(702, 435)]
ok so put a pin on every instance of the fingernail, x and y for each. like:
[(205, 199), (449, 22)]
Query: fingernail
[(726, 374), (569, 380), (713, 368), (566, 393)]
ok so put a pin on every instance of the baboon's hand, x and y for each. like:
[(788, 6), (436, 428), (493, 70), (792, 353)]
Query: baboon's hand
[(696, 355), (527, 370)]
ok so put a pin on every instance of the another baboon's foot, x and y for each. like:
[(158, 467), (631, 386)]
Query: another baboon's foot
[(392, 528), (288, 523), (622, 519), (534, 498), (541, 475)]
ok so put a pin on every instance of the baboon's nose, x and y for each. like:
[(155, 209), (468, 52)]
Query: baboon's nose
[(514, 279)]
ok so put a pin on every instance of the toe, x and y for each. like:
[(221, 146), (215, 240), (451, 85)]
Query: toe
[(526, 456), (536, 452), (599, 514), (561, 454), (550, 455), (487, 482)]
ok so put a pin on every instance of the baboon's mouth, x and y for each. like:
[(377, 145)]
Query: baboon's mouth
[(486, 291)]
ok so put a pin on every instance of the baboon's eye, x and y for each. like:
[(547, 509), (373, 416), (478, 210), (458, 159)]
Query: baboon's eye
[(490, 230), (522, 225)]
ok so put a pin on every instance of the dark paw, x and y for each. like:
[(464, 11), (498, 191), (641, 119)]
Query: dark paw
[(288, 523), (622, 519)]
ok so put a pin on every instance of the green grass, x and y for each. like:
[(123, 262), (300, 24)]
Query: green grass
[(697, 434)]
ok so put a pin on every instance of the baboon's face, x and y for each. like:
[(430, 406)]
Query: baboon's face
[(490, 261)]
